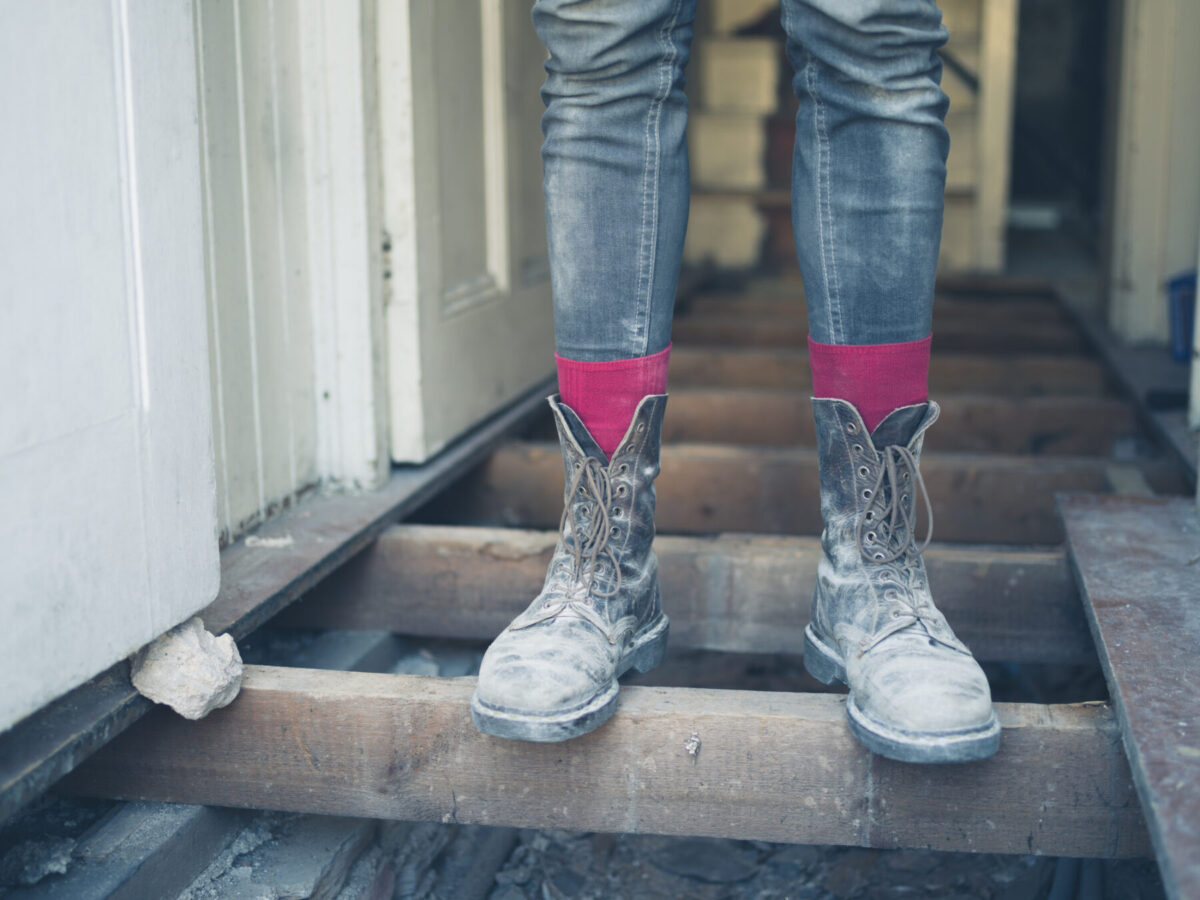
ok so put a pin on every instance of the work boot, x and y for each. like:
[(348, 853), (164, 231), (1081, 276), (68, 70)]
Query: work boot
[(916, 693), (552, 673)]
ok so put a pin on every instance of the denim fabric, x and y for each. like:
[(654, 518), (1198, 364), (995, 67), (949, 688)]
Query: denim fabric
[(868, 172)]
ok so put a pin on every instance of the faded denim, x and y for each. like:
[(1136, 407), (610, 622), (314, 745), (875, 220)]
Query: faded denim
[(869, 167)]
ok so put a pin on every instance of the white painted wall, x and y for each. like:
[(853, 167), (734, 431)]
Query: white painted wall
[(108, 526)]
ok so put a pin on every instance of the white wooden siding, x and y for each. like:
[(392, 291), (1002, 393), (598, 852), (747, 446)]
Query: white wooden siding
[(291, 247)]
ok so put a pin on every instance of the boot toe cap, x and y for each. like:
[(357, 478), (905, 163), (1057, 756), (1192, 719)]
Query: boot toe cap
[(918, 692), (546, 679)]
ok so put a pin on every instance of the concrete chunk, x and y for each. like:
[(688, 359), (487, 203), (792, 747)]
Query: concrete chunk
[(189, 669)]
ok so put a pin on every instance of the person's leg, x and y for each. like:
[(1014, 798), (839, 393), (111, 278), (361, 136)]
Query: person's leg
[(868, 184), (867, 191), (616, 186)]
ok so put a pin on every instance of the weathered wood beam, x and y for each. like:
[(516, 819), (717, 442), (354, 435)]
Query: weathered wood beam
[(737, 593), (766, 766), (710, 488), (982, 334), (1027, 375), (981, 423), (1136, 561), (1032, 302)]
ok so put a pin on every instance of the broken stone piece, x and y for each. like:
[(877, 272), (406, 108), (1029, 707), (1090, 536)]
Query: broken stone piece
[(189, 669)]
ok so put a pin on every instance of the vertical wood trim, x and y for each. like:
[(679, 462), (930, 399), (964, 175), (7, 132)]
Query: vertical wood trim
[(398, 157), (997, 79), (495, 145), (216, 380), (345, 234), (248, 230), (1136, 311)]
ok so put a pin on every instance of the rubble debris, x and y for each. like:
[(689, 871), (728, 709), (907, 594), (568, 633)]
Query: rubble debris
[(189, 669)]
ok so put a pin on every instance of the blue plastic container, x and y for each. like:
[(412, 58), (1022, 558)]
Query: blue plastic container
[(1181, 295)]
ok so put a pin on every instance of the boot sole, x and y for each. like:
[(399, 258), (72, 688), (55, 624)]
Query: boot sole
[(644, 654), (964, 745)]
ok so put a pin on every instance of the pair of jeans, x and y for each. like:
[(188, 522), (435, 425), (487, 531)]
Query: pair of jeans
[(868, 176)]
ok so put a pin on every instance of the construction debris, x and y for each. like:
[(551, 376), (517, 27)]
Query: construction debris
[(189, 669)]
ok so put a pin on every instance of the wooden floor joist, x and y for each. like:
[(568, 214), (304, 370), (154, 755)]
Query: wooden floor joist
[(737, 593), (786, 300), (985, 334), (1137, 560), (748, 765), (1011, 375), (981, 423), (707, 488)]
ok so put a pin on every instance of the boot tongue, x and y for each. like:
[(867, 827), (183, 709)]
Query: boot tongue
[(579, 431), (899, 426)]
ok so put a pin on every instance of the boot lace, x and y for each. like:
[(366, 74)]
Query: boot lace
[(587, 539), (892, 516)]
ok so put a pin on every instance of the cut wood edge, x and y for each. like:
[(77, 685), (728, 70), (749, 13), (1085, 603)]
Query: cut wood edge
[(734, 593), (713, 488), (747, 765)]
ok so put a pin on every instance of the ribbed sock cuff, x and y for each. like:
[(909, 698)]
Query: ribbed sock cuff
[(875, 378), (605, 395)]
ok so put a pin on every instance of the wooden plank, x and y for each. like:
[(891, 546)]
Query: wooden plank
[(259, 577), (735, 593), (768, 766), (982, 423), (1020, 375), (710, 488), (1136, 562), (980, 336), (786, 300)]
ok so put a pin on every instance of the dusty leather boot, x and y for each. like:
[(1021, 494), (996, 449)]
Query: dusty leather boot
[(552, 673), (916, 693)]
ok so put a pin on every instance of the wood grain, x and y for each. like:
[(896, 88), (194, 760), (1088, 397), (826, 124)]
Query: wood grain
[(737, 593), (1136, 561), (985, 334), (711, 488), (770, 766), (1011, 375), (981, 423)]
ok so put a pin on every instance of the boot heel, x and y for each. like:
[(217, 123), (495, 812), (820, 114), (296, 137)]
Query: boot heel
[(650, 652), (820, 661)]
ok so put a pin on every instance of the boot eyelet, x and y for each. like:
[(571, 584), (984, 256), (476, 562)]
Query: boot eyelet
[(615, 532), (622, 468), (864, 471), (858, 448), (878, 556), (622, 490), (851, 427), (904, 498), (866, 493), (895, 613), (641, 427), (870, 535), (615, 512), (905, 476), (870, 516)]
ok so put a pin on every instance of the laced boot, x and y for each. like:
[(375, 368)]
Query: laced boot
[(552, 673), (916, 693)]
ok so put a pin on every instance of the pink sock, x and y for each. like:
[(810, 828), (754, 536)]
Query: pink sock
[(875, 378), (605, 395)]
